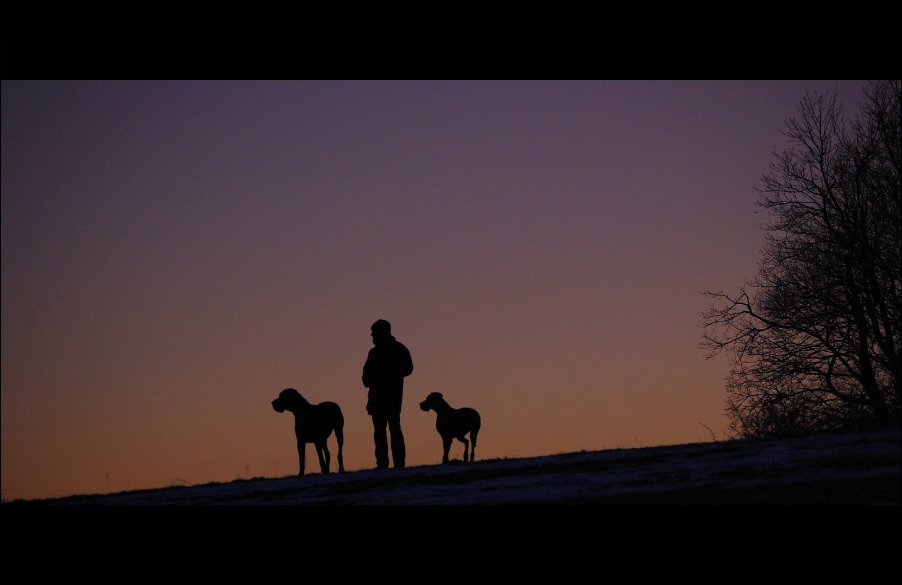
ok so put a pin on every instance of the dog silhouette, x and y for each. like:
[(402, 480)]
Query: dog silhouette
[(453, 423), (313, 423)]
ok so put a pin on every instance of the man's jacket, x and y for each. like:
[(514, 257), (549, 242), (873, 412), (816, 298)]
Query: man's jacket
[(387, 364)]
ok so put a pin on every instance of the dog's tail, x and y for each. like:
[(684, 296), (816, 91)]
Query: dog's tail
[(476, 424), (340, 437)]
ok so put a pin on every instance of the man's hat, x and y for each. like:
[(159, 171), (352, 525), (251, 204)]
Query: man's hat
[(381, 325)]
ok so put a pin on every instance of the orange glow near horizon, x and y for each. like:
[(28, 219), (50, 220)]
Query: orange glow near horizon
[(177, 253)]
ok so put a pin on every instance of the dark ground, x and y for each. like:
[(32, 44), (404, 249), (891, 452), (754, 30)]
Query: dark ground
[(854, 468)]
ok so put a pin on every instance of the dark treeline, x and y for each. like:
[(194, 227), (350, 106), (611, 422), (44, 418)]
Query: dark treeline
[(814, 337)]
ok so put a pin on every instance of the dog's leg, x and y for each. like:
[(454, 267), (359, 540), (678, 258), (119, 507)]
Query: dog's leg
[(446, 446), (302, 447), (323, 454)]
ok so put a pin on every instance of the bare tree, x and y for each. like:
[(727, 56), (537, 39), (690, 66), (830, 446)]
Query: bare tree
[(814, 338)]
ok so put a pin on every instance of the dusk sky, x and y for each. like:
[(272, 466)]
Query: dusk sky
[(176, 253)]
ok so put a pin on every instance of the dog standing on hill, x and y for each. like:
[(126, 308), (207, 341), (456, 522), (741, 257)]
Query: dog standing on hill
[(313, 423), (453, 423)]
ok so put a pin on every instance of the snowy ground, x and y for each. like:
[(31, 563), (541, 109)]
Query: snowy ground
[(861, 468)]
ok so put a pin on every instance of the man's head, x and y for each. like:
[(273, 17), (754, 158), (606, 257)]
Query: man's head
[(381, 330)]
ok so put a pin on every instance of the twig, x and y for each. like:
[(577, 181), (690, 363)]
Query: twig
[(713, 437)]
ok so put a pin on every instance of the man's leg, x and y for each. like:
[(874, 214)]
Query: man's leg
[(397, 439), (381, 440)]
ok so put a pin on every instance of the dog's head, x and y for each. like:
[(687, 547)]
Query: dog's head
[(433, 400), (289, 399)]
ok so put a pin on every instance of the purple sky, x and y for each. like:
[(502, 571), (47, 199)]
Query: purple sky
[(176, 253)]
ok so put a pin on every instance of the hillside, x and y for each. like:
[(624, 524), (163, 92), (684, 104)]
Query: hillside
[(861, 468)]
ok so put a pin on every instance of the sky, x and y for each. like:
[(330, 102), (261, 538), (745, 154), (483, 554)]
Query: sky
[(176, 253), (857, 468)]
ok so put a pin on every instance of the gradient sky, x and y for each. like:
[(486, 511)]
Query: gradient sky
[(175, 253)]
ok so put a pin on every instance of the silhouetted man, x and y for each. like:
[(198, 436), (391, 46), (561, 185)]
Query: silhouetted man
[(387, 364)]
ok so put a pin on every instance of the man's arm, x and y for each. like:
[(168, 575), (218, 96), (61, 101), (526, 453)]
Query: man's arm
[(406, 362), (367, 377)]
